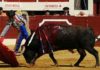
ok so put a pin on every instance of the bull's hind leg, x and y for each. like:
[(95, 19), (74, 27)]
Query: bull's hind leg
[(82, 55), (53, 59), (94, 53)]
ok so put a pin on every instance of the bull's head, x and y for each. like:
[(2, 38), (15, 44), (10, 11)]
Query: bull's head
[(33, 50)]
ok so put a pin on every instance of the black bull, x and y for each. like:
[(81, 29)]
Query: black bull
[(51, 38)]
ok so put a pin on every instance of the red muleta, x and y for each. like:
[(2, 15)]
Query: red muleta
[(7, 55)]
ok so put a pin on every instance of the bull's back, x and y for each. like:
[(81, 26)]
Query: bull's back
[(66, 37), (72, 37)]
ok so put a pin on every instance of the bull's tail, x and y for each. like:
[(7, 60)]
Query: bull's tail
[(91, 36), (97, 38)]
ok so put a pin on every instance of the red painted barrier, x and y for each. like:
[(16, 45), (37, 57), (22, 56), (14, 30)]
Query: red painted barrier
[(92, 21), (34, 22)]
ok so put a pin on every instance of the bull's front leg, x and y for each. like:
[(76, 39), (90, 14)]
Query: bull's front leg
[(53, 59)]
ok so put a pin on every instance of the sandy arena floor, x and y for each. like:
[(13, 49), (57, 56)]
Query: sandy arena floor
[(65, 60)]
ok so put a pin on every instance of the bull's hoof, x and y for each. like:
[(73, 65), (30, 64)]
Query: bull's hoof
[(97, 65), (76, 65), (29, 65), (56, 64)]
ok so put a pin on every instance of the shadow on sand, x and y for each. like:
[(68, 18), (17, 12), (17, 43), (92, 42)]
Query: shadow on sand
[(3, 65)]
